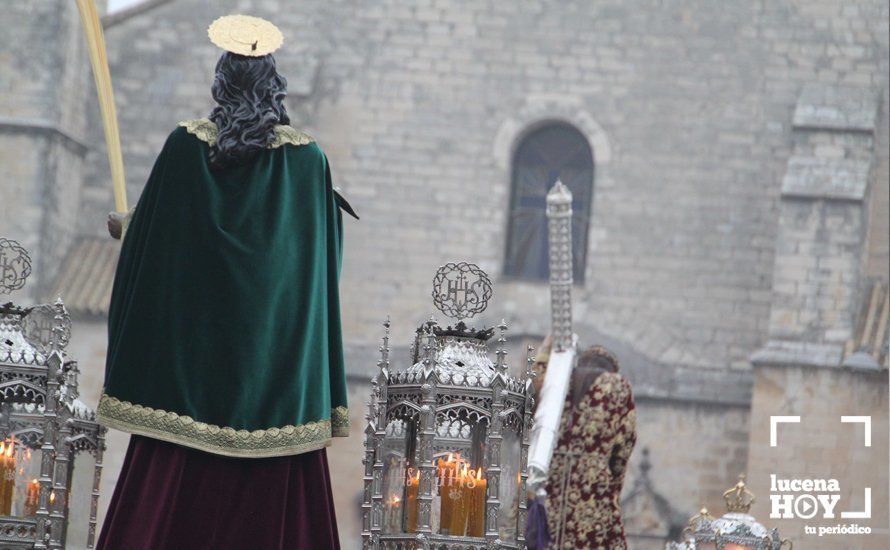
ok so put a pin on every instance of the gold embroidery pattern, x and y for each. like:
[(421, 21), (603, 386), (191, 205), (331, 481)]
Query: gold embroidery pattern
[(340, 422), (205, 130), (288, 134), (222, 440), (201, 128)]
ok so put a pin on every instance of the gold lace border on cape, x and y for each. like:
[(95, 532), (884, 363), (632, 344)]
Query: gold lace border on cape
[(221, 440), (205, 130)]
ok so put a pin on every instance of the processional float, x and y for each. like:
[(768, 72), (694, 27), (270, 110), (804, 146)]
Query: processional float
[(448, 438), (43, 423)]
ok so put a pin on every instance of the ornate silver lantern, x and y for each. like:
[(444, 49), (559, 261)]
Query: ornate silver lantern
[(446, 443), (40, 415), (735, 530)]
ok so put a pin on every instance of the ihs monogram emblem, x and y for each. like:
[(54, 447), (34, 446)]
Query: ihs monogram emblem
[(461, 290), (15, 266)]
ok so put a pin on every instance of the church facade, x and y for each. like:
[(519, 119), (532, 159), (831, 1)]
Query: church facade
[(728, 163)]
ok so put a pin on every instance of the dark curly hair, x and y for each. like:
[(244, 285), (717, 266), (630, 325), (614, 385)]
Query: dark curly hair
[(592, 363), (598, 357), (249, 94)]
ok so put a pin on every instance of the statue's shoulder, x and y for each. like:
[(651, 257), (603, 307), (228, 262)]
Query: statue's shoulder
[(290, 135), (202, 128)]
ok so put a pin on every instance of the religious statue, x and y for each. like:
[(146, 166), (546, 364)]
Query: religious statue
[(225, 356), (596, 436)]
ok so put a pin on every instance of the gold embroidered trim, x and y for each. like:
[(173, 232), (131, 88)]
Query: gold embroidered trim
[(205, 130), (288, 134), (184, 430), (340, 422), (201, 128)]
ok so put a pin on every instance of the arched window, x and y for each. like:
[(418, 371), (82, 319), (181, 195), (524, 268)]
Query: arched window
[(554, 151)]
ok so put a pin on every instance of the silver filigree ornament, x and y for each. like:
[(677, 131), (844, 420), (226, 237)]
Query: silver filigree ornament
[(47, 324), (15, 266), (461, 290)]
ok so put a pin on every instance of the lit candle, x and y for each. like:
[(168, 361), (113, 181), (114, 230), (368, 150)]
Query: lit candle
[(7, 470), (33, 498), (413, 486), (460, 502), (393, 515), (476, 518), (447, 474), (3, 484)]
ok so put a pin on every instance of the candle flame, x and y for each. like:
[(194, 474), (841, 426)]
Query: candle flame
[(7, 447), (52, 497)]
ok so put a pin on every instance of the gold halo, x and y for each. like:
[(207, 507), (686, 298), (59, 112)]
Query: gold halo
[(245, 35)]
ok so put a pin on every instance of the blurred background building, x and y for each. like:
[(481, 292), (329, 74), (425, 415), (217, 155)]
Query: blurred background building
[(729, 163)]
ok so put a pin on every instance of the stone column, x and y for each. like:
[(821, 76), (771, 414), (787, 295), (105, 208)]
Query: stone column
[(822, 228), (803, 371)]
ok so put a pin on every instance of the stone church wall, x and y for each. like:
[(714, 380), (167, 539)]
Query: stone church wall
[(419, 105), (44, 83)]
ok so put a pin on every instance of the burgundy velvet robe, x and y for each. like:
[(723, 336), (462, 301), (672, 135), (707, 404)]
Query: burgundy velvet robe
[(281, 503)]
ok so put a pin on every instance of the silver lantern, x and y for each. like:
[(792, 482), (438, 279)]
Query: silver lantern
[(446, 442), (40, 413)]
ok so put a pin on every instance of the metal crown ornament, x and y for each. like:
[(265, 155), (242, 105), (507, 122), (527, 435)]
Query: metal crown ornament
[(739, 499)]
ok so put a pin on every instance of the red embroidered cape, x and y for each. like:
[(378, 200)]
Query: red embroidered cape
[(587, 470)]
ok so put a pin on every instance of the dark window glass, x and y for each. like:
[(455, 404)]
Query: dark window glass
[(551, 152)]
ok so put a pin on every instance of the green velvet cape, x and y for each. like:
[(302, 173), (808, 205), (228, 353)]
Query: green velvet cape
[(224, 324)]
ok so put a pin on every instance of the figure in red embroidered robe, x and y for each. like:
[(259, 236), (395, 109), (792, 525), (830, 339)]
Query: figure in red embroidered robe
[(597, 435)]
